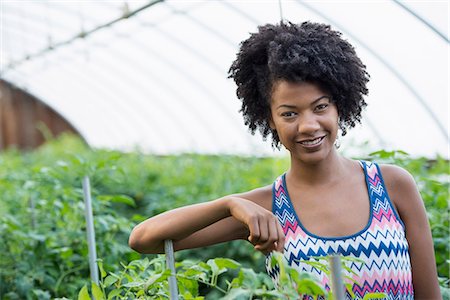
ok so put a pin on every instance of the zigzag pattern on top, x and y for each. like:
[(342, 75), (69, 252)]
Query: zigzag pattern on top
[(382, 246)]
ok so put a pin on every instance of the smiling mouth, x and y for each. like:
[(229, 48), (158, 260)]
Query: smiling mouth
[(312, 143)]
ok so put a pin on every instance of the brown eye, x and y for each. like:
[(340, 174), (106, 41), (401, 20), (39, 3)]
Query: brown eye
[(321, 107), (288, 114)]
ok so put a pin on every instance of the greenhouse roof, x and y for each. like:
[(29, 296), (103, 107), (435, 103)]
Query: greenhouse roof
[(152, 75)]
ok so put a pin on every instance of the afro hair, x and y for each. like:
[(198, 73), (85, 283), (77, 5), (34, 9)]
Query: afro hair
[(306, 52)]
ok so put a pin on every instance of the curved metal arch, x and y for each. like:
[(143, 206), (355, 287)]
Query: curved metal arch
[(191, 50), (240, 12), (425, 22), (88, 32), (186, 75), (180, 121), (47, 85), (201, 87), (386, 64), (114, 86), (50, 88), (155, 78), (203, 26), (82, 83), (94, 87), (141, 87), (171, 89), (198, 84)]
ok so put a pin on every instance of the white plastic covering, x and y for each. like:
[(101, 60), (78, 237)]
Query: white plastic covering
[(157, 80)]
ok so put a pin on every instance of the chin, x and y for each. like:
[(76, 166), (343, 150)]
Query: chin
[(313, 158)]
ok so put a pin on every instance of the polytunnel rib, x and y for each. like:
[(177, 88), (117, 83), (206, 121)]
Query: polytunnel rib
[(13, 15), (91, 31), (204, 26), (17, 32), (111, 67), (115, 85), (113, 98), (208, 62), (116, 91), (240, 12), (373, 128), (41, 52), (48, 88), (169, 86), (82, 86), (391, 68), (425, 22), (94, 87), (188, 76), (62, 115)]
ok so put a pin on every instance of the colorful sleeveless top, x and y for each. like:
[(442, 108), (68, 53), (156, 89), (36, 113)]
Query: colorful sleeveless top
[(383, 264)]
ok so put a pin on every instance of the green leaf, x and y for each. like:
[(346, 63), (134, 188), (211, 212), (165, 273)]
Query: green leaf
[(238, 293), (134, 284), (248, 278), (84, 294), (227, 263), (214, 267), (100, 266), (157, 278), (378, 296), (114, 293), (118, 199), (97, 293), (109, 280)]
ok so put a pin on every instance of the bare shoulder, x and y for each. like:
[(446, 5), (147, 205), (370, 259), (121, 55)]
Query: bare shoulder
[(261, 196), (401, 188), (397, 179)]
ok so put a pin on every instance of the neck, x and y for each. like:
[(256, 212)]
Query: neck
[(322, 173)]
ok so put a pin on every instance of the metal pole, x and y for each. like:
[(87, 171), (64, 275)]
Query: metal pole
[(170, 260), (337, 284), (90, 230)]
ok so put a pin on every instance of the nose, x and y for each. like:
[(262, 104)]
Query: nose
[(308, 124)]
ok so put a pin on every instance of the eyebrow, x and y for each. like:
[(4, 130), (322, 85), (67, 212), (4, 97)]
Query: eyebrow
[(314, 102)]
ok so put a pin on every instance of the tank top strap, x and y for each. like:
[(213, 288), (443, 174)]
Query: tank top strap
[(281, 206), (382, 206)]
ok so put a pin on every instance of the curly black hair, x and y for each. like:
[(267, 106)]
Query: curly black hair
[(306, 52)]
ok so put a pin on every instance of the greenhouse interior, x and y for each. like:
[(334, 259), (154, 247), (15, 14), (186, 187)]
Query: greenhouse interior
[(135, 98)]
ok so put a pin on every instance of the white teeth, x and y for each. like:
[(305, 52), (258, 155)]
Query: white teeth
[(310, 143)]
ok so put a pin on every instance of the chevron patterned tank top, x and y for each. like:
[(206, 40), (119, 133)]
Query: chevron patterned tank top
[(383, 264)]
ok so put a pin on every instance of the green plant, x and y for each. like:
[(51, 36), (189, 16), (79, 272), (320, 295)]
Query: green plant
[(42, 224)]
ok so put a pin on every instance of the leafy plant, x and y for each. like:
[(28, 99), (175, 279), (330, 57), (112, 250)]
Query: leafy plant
[(42, 223)]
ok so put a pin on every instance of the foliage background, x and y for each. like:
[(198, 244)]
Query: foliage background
[(42, 225)]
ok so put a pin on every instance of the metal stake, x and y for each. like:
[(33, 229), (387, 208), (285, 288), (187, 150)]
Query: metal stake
[(170, 260), (90, 230), (337, 284)]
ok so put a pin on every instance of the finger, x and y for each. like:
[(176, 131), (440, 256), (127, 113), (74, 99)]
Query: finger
[(263, 231), (281, 238), (272, 235), (254, 229)]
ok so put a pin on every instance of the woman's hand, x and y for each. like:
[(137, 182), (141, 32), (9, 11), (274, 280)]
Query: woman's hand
[(265, 232)]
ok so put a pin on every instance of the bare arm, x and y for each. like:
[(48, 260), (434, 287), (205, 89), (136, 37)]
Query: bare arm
[(405, 196), (228, 218)]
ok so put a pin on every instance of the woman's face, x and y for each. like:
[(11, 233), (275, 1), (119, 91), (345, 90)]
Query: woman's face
[(306, 120)]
